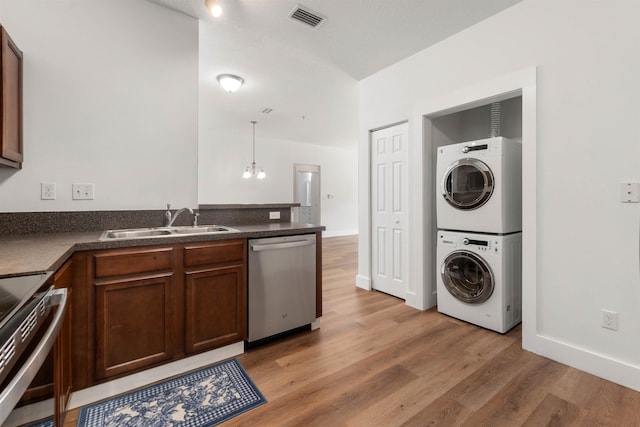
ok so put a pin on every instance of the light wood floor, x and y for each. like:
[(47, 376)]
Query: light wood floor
[(377, 362)]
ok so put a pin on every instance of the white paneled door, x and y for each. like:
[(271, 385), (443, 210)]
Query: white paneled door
[(389, 217)]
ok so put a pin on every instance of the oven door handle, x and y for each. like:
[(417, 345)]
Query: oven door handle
[(20, 382)]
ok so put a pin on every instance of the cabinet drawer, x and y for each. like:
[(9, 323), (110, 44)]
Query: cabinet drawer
[(121, 262), (214, 253)]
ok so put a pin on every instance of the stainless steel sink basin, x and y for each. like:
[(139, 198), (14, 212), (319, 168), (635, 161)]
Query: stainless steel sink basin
[(142, 233), (203, 229), (133, 234)]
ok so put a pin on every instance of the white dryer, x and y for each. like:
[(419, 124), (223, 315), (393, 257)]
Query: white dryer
[(479, 278), (479, 186)]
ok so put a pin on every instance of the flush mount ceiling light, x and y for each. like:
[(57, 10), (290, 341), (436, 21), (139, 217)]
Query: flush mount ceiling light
[(253, 169), (230, 82), (214, 7)]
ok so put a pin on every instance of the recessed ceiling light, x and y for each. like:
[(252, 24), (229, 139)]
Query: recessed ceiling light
[(214, 7)]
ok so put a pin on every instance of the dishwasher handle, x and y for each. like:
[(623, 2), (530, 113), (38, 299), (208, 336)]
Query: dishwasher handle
[(284, 245)]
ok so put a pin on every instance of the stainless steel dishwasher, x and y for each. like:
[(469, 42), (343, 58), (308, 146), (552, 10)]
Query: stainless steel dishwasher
[(282, 284)]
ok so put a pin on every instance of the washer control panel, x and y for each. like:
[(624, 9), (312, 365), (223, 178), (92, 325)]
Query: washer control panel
[(476, 243)]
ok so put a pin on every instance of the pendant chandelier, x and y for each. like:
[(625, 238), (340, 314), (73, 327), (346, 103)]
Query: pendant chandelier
[(253, 169)]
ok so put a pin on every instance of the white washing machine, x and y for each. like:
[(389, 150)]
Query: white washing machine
[(479, 186), (479, 278)]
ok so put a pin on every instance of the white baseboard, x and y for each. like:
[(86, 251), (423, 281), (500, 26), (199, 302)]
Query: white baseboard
[(617, 371), (315, 324), (30, 413), (338, 233), (363, 282)]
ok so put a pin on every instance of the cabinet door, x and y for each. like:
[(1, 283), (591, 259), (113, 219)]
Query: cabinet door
[(215, 308), (11, 102), (133, 324)]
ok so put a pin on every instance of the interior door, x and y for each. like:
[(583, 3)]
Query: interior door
[(389, 217)]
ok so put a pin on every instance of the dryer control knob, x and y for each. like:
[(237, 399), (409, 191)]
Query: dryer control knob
[(465, 241), (465, 149)]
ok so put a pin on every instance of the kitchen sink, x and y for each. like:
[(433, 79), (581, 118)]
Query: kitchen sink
[(200, 229), (142, 233)]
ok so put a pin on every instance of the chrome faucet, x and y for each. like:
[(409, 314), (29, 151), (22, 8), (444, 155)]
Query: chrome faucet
[(170, 219), (167, 215)]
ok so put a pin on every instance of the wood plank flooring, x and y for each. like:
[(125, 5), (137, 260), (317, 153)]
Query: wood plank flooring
[(377, 362)]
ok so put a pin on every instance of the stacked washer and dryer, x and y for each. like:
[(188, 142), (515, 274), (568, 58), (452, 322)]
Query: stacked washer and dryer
[(479, 219)]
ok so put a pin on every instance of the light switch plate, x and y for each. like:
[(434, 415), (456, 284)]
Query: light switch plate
[(630, 192), (82, 191)]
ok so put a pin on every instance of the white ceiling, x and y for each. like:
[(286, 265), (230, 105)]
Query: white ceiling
[(312, 73)]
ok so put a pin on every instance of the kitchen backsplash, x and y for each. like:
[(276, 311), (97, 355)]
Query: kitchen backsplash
[(12, 223)]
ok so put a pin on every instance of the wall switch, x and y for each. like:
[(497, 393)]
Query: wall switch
[(630, 192), (82, 191), (610, 320), (274, 215), (47, 191)]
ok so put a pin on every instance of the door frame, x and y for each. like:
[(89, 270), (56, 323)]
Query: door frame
[(422, 167), (303, 167)]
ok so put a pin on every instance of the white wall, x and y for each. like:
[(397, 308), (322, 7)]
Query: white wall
[(587, 144), (111, 98), (224, 156)]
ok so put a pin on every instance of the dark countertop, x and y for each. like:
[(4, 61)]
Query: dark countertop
[(35, 253), (248, 206)]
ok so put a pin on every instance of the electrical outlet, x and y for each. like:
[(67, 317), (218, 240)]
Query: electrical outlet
[(610, 320), (274, 215), (630, 192), (47, 191), (82, 191)]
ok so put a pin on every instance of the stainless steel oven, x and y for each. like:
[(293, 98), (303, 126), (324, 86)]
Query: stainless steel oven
[(26, 303)]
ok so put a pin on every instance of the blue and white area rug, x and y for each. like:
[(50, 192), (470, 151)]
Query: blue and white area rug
[(202, 398)]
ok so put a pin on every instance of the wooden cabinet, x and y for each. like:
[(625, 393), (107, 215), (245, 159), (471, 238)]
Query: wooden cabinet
[(10, 102), (145, 306), (133, 309), (215, 294)]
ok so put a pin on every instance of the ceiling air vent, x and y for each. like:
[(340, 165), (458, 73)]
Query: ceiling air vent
[(307, 16)]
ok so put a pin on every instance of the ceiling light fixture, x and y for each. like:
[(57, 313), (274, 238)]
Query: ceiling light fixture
[(230, 82), (253, 169), (214, 7)]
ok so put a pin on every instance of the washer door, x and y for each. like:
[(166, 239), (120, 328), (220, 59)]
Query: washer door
[(467, 277), (467, 184)]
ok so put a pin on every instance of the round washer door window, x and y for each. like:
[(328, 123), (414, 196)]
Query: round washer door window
[(467, 277), (467, 184)]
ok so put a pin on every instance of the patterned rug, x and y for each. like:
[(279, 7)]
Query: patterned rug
[(202, 398), (44, 423)]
